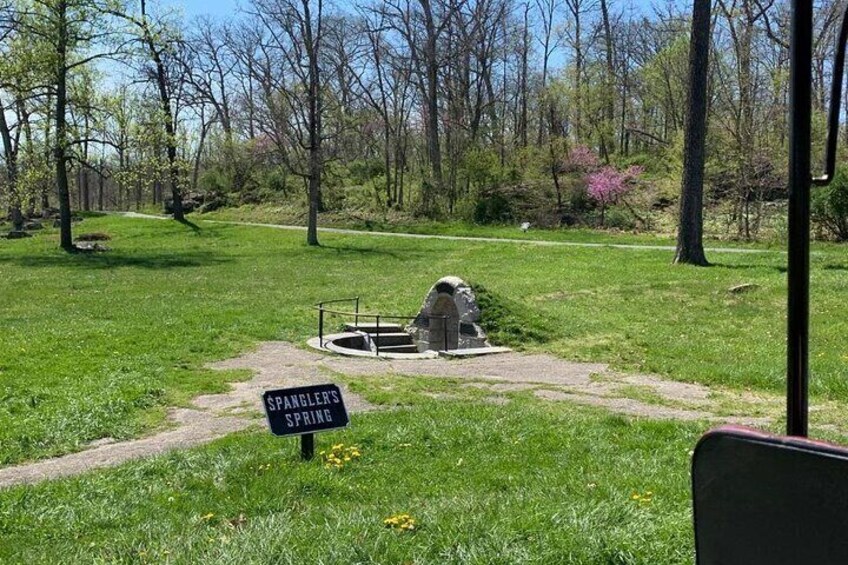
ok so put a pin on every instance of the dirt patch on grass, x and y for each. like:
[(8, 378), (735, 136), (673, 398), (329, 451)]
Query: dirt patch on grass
[(280, 364), (627, 406)]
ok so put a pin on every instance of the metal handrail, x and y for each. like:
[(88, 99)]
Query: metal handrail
[(374, 315), (320, 307), (354, 299), (337, 300), (835, 101), (377, 317)]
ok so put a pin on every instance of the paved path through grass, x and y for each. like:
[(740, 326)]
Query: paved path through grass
[(280, 364), (541, 242)]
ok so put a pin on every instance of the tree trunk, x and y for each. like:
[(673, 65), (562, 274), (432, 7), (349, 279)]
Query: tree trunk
[(690, 245), (525, 54), (198, 156), (84, 178), (168, 117), (609, 103), (100, 186), (315, 132), (59, 150), (432, 63), (10, 152)]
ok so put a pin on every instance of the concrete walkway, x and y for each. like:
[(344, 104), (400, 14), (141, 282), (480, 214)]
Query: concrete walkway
[(280, 364)]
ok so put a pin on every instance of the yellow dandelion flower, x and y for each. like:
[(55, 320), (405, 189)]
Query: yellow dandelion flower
[(402, 522)]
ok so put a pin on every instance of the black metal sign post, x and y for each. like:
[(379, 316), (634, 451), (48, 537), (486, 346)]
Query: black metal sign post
[(798, 274), (307, 446), (304, 411)]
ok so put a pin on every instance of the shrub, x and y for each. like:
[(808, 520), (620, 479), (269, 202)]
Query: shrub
[(829, 207), (483, 169), (492, 208), (363, 171), (277, 181), (213, 180), (618, 218)]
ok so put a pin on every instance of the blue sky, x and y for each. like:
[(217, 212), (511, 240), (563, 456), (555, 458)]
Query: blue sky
[(218, 8), (223, 8)]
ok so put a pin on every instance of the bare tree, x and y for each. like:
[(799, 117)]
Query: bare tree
[(293, 35), (550, 41)]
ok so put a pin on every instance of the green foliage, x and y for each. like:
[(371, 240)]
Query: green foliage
[(213, 180), (493, 208), (529, 163), (578, 197), (663, 77), (620, 218), (829, 206), (276, 183), (482, 168), (363, 171)]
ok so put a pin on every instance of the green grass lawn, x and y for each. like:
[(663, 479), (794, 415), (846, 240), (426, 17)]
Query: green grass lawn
[(100, 345), (486, 484), (97, 346)]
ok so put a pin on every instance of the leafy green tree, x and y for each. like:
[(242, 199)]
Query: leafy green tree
[(72, 35), (829, 206), (160, 41)]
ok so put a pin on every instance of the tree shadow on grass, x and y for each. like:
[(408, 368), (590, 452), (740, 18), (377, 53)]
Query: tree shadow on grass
[(777, 268), (115, 259), (346, 250), (188, 223)]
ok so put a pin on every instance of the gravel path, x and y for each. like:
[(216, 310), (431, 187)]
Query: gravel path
[(280, 364)]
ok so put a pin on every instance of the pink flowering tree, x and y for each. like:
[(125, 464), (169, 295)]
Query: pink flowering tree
[(608, 185), (580, 159)]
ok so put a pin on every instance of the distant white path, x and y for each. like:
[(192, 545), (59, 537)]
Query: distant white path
[(541, 242)]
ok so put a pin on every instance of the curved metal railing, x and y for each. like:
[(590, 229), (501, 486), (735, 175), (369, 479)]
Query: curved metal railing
[(356, 314)]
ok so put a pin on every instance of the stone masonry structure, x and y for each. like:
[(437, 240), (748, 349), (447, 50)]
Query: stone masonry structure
[(450, 315)]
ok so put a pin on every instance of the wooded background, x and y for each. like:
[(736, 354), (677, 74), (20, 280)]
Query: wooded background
[(483, 110)]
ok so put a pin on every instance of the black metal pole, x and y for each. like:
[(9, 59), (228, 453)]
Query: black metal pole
[(307, 446), (798, 274), (356, 316), (321, 325)]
